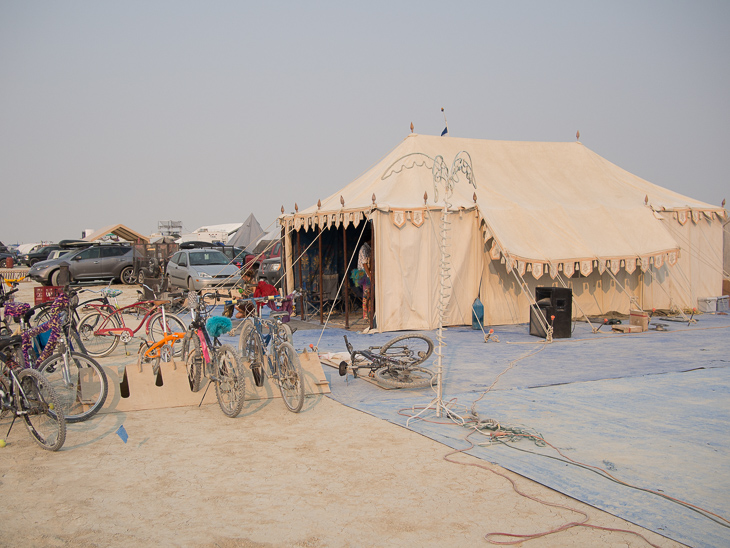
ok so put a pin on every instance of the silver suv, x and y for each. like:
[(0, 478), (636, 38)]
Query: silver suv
[(98, 262)]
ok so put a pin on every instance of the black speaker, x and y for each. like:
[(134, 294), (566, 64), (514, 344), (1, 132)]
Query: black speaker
[(552, 301)]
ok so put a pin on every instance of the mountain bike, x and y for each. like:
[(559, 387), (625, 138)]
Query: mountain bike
[(266, 344), (206, 356), (101, 330), (51, 348), (28, 394), (395, 364)]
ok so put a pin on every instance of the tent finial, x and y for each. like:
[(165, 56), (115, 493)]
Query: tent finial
[(342, 201), (373, 197), (319, 204), (411, 127), (577, 136), (723, 202), (296, 207), (646, 200), (282, 210), (425, 197), (475, 197)]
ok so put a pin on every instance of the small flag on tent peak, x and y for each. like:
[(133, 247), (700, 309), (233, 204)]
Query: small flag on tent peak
[(445, 131), (122, 433)]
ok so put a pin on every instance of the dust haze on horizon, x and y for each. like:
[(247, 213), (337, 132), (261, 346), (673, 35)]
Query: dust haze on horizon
[(135, 112)]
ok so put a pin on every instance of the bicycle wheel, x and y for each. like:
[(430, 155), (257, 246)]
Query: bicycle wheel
[(291, 381), (411, 377), (408, 349), (250, 349), (193, 360), (230, 384), (5, 387), (98, 346), (79, 382), (41, 410), (286, 334), (157, 330)]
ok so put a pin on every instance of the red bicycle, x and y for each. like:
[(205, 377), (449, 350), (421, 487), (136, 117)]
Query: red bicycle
[(102, 329)]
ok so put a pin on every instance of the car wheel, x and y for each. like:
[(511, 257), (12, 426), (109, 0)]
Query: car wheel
[(191, 285), (54, 277), (32, 262), (140, 277), (127, 276)]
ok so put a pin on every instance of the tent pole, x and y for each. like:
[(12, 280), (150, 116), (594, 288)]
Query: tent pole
[(345, 262), (321, 295), (302, 311), (371, 297)]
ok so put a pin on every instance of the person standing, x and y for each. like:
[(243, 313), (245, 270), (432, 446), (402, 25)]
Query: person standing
[(364, 263)]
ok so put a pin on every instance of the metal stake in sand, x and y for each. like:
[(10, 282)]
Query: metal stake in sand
[(442, 175)]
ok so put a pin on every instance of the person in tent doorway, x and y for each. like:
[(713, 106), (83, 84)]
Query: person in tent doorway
[(364, 263)]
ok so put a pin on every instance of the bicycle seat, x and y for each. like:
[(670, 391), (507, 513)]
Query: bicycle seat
[(159, 303), (11, 340), (278, 314), (107, 292)]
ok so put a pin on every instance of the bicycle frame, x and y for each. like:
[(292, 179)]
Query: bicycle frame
[(148, 307)]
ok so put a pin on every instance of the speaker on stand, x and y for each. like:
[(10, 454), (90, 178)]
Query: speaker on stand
[(552, 301)]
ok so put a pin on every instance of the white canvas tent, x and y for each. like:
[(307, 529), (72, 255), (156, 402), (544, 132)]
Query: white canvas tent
[(541, 214), (249, 232)]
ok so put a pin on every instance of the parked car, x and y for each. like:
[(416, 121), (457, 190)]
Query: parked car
[(57, 253), (271, 271), (198, 269), (255, 259), (39, 254), (97, 262), (7, 253), (235, 254)]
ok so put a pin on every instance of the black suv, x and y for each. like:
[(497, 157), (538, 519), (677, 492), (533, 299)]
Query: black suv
[(98, 262), (38, 255)]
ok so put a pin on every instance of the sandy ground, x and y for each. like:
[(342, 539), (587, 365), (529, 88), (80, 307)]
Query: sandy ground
[(329, 476)]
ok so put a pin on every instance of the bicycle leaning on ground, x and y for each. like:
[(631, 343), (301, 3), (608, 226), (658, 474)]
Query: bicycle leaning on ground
[(28, 394), (267, 345), (204, 355), (163, 350), (395, 364)]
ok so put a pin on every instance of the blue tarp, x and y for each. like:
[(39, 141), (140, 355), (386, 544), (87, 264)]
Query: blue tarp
[(653, 409)]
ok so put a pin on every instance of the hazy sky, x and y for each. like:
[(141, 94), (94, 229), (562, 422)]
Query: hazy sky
[(137, 111)]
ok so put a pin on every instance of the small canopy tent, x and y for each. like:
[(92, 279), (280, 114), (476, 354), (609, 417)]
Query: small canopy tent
[(540, 214), (120, 231)]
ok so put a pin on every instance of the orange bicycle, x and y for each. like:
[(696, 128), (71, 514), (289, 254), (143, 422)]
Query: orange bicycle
[(162, 350)]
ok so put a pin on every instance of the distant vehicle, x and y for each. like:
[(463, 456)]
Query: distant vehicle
[(271, 271), (6, 253), (96, 262), (201, 268), (39, 254), (255, 259), (235, 254)]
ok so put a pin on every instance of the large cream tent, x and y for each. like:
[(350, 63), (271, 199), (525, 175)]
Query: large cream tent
[(541, 214)]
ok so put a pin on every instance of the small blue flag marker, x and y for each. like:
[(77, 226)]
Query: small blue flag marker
[(122, 433)]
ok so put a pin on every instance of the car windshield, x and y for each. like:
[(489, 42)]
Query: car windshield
[(207, 258)]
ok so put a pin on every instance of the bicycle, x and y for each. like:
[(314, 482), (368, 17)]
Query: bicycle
[(101, 330), (28, 394), (162, 350), (272, 355), (396, 363), (218, 362), (79, 381)]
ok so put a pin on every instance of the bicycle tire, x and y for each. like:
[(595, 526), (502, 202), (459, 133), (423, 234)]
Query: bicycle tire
[(5, 387), (250, 348), (290, 378), (174, 325), (412, 377), (230, 384), (405, 355), (98, 346), (193, 361), (41, 410), (88, 389), (288, 336)]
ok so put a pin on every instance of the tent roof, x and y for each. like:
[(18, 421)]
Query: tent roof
[(122, 231), (541, 201), (249, 231)]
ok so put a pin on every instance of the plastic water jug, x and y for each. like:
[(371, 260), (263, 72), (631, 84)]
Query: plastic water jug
[(477, 314)]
